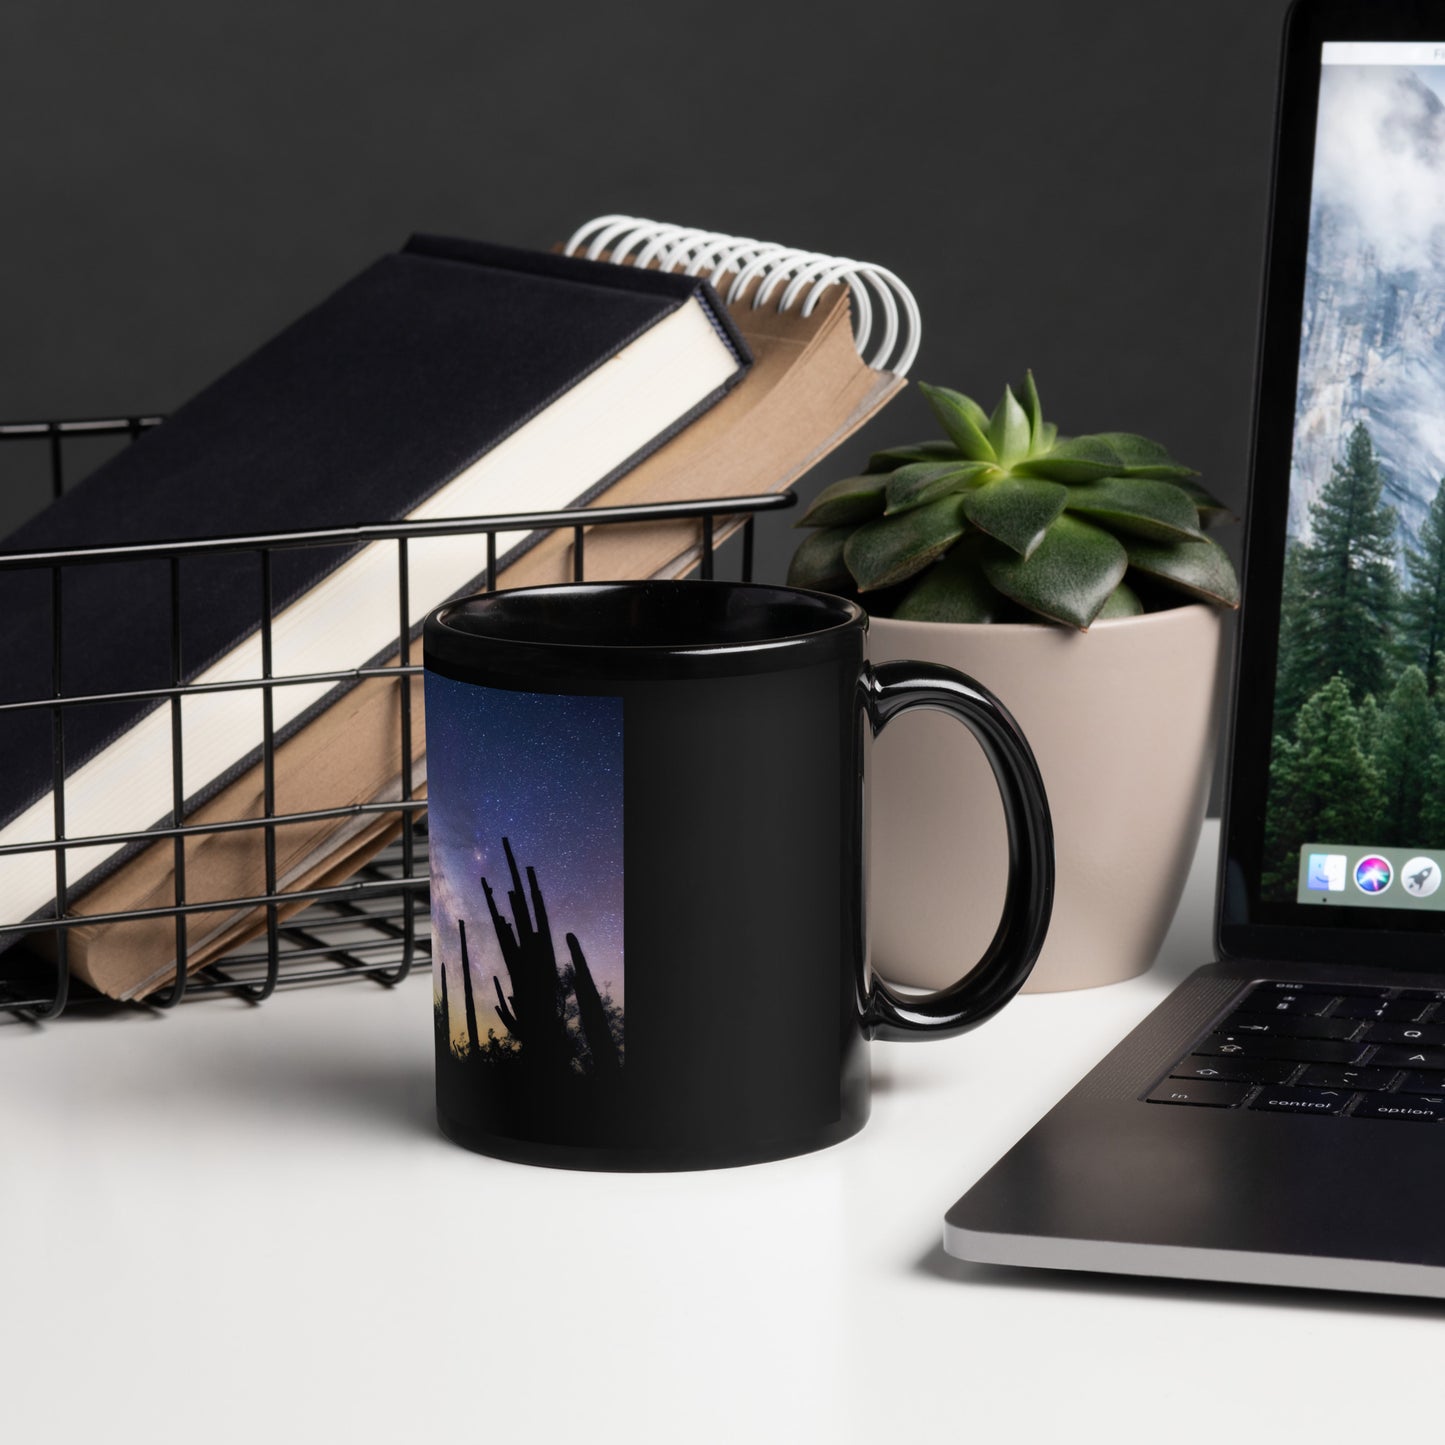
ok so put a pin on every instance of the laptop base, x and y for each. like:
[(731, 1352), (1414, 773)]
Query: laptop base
[(1109, 1182)]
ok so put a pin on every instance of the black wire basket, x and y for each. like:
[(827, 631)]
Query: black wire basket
[(373, 926)]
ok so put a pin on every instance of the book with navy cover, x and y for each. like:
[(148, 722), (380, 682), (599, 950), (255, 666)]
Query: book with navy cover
[(448, 379)]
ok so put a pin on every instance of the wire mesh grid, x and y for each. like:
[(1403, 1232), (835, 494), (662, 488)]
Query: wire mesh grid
[(375, 924)]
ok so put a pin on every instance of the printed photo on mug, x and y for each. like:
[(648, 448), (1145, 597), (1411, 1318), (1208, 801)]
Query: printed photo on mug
[(527, 893)]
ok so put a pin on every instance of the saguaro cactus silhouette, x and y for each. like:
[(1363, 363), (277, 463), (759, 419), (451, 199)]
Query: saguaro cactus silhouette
[(591, 1016), (474, 1037), (533, 1011), (445, 1005), (534, 1008)]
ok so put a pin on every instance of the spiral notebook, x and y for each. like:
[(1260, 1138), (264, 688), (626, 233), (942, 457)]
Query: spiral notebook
[(831, 340)]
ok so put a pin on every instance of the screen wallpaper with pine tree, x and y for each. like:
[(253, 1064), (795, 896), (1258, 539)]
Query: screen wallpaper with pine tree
[(1358, 753)]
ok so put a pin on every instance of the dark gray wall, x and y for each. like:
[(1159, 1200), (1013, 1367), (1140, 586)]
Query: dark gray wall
[(1074, 186)]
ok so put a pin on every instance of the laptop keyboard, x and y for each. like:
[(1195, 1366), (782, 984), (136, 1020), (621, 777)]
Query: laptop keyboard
[(1300, 1048)]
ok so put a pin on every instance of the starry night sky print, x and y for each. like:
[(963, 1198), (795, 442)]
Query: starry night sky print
[(544, 770)]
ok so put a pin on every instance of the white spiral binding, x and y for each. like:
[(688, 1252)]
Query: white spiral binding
[(807, 274)]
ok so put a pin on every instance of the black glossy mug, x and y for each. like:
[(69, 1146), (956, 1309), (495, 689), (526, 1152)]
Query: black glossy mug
[(647, 850)]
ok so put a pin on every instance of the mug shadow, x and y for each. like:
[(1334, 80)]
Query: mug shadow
[(391, 1096), (894, 1079)]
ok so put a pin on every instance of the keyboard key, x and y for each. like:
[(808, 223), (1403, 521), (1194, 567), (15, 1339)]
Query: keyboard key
[(1326, 990), (1265, 1046), (1399, 1106), (1249, 1071), (1400, 1010), (1315, 1048), (1331, 1076), (1208, 1093), (1285, 1003), (1302, 1101), (1422, 1034), (1403, 1056), (1286, 1027)]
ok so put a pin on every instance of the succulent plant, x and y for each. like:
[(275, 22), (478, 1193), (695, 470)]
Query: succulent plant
[(1006, 520)]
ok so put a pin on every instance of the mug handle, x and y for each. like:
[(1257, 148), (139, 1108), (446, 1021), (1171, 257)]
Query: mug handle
[(897, 687)]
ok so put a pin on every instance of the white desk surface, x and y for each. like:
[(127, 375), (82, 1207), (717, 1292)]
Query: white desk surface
[(217, 1227)]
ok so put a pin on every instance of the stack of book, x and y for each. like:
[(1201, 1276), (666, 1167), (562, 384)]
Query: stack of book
[(449, 380)]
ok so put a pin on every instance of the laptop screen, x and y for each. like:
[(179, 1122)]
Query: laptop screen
[(1355, 809)]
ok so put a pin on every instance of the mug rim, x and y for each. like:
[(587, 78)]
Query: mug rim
[(440, 626)]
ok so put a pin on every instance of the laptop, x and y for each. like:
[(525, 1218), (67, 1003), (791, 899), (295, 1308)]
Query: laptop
[(1280, 1118)]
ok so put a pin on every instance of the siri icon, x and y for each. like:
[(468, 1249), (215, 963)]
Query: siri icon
[(1373, 874)]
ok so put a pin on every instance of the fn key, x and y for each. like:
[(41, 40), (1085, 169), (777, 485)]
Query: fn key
[(1186, 1091)]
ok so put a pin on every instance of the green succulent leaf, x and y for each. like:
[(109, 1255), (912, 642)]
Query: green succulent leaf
[(970, 408), (1077, 459), (1201, 568), (1123, 602), (963, 419), (1034, 407), (1016, 511), (1050, 526), (1140, 506), (854, 499), (922, 482), (1143, 458), (891, 457), (953, 590), (893, 549), (1211, 510), (1009, 432), (818, 563), (1068, 578)]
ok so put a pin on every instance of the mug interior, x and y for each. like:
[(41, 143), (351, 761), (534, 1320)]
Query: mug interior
[(662, 614)]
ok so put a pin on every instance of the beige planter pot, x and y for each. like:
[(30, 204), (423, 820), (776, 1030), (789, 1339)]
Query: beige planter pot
[(1122, 721)]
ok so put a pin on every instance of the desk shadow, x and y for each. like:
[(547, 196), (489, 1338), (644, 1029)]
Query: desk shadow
[(75, 1015), (1189, 943), (938, 1264), (886, 1081), (390, 1096), (896, 1079)]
